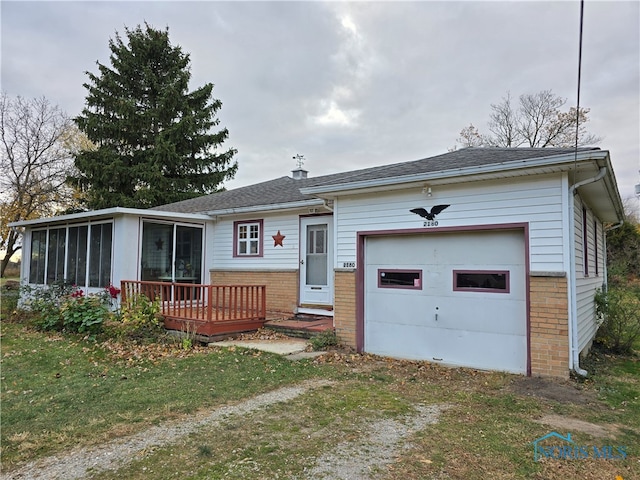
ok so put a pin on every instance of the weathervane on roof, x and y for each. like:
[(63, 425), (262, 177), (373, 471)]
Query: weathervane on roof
[(299, 160)]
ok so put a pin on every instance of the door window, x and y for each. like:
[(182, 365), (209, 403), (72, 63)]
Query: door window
[(316, 254)]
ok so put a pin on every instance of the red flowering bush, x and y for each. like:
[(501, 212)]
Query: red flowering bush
[(65, 307), (77, 293)]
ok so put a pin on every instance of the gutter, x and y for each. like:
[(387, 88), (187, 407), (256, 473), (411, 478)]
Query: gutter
[(616, 226), (573, 302)]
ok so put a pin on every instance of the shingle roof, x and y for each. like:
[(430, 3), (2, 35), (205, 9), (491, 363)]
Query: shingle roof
[(287, 190)]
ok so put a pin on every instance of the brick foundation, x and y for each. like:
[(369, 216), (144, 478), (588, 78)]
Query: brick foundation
[(549, 327), (344, 306), (281, 291)]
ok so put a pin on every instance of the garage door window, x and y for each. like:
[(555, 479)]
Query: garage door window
[(411, 279), (495, 281)]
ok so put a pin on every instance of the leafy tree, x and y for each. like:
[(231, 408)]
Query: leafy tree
[(37, 139), (623, 253), (153, 137), (536, 121)]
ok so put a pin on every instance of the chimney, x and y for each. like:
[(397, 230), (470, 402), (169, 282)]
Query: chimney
[(299, 173)]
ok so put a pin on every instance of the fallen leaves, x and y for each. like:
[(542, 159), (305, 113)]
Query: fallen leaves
[(133, 353), (262, 334)]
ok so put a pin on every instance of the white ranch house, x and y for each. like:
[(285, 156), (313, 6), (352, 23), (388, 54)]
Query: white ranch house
[(500, 276)]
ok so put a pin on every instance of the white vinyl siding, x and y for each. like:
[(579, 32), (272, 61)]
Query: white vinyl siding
[(587, 285), (536, 200), (273, 258)]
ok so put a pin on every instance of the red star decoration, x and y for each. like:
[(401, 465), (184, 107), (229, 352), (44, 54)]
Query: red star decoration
[(277, 239)]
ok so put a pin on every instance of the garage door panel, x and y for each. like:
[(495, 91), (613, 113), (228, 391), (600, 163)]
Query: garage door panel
[(385, 337), (505, 318), (476, 349), (482, 329), (386, 309), (508, 321)]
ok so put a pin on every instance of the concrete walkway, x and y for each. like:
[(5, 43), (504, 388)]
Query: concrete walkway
[(291, 348)]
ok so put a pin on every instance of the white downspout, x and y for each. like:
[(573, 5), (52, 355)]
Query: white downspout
[(573, 307)]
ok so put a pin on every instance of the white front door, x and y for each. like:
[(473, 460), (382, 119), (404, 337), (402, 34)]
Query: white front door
[(316, 261)]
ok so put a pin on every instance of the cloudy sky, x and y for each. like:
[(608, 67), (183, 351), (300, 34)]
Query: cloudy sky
[(351, 85)]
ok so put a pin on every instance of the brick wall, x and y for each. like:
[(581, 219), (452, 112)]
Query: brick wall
[(549, 327), (281, 291), (344, 307)]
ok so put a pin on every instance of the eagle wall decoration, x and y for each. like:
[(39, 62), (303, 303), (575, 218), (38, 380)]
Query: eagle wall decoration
[(430, 216)]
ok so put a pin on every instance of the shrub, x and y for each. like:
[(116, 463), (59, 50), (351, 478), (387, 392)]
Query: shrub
[(80, 314), (323, 340), (45, 303), (9, 296), (139, 317), (618, 310), (623, 253), (64, 307)]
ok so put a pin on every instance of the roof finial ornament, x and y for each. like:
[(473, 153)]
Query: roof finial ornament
[(299, 160)]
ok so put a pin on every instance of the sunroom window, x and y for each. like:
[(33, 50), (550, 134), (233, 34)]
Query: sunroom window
[(171, 252), (75, 254)]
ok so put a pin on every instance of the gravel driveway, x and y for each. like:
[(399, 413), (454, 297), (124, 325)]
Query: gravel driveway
[(115, 454), (379, 443)]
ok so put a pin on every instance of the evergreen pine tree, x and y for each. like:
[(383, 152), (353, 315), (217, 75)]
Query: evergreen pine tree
[(152, 137)]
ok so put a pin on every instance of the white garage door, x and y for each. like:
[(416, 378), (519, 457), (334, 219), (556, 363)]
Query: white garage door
[(455, 298)]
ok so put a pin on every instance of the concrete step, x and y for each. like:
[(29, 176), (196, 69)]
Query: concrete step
[(301, 326)]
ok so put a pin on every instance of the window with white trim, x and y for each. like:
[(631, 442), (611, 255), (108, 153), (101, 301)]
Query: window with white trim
[(248, 238)]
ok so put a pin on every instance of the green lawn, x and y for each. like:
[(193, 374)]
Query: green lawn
[(60, 392)]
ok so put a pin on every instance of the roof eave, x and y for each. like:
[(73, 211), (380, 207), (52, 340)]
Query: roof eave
[(612, 211), (554, 160), (109, 212), (312, 202)]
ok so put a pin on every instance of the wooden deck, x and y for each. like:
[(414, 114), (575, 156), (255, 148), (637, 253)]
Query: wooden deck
[(203, 309)]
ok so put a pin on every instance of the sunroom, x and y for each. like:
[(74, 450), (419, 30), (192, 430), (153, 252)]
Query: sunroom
[(161, 254), (96, 249)]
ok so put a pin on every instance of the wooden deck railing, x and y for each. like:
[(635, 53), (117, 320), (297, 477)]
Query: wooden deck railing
[(202, 303)]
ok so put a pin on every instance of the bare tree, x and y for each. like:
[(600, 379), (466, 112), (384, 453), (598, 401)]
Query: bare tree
[(35, 161), (503, 124), (537, 121)]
